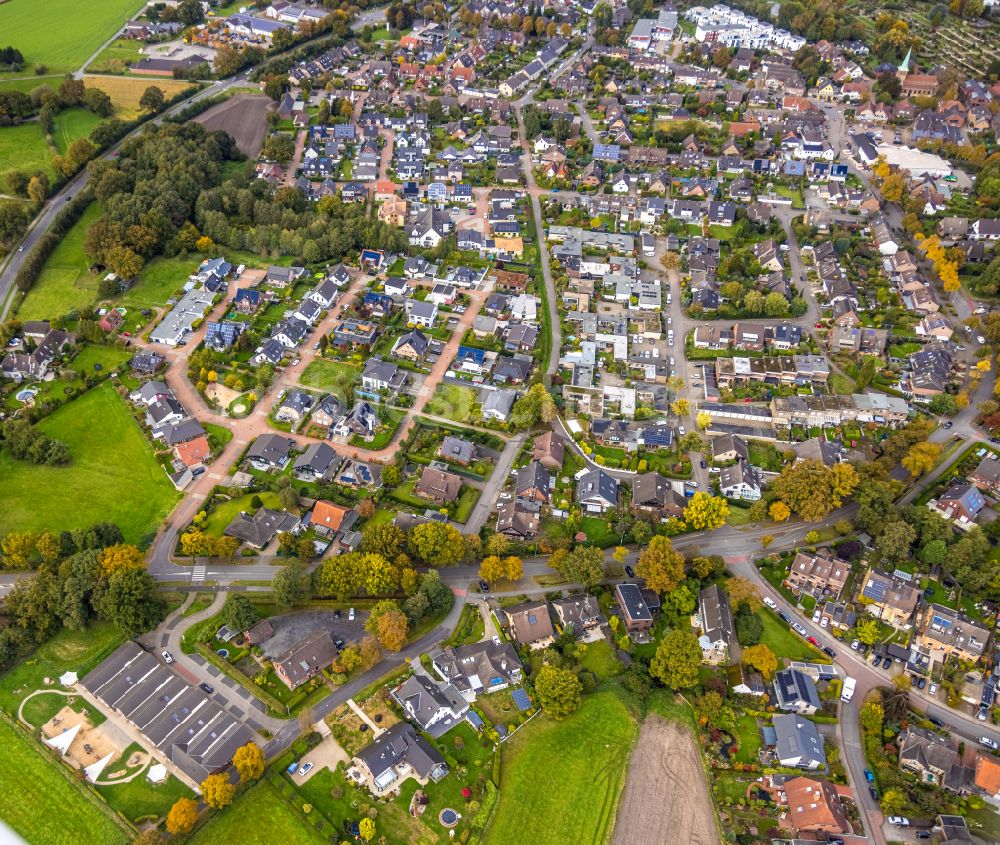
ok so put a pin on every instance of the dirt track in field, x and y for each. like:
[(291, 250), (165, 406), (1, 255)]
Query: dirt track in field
[(666, 799), (244, 117)]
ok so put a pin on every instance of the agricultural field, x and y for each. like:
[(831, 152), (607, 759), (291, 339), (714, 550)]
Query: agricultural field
[(260, 817), (244, 117), (43, 805), (73, 34), (114, 476), (24, 148), (126, 91), (590, 752), (65, 282)]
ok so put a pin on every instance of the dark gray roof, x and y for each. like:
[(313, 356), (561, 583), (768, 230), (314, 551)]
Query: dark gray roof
[(270, 448), (400, 744), (597, 485), (633, 604), (182, 432), (795, 689), (422, 699), (180, 720), (716, 617), (457, 449), (261, 528)]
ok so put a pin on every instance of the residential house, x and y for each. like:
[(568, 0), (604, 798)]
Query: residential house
[(579, 613), (943, 632), (533, 485), (430, 704), (438, 486), (261, 528), (742, 480), (814, 806), (457, 450), (483, 667), (818, 574), (397, 754), (411, 346), (961, 504), (306, 659), (382, 377), (655, 494), (986, 476), (729, 447), (931, 757), (596, 491), (530, 625), (889, 598), (270, 452), (327, 411), (795, 691), (295, 406), (421, 313), (497, 404), (317, 463), (634, 610), (797, 743), (361, 421), (516, 521), (549, 450), (718, 634)]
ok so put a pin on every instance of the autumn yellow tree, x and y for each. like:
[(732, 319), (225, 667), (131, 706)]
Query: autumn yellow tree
[(681, 407), (743, 591), (921, 458), (249, 762), (387, 622), (366, 829), (761, 658), (120, 557), (706, 512), (661, 566), (779, 511), (495, 568), (217, 791), (182, 816), (703, 420)]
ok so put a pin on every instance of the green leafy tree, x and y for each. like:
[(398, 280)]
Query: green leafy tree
[(131, 601), (867, 631), (677, 659), (582, 565), (239, 613), (558, 691)]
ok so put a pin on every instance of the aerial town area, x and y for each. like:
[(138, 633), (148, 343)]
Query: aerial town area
[(572, 422)]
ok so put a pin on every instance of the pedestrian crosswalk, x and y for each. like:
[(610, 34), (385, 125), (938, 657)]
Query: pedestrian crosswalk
[(198, 573)]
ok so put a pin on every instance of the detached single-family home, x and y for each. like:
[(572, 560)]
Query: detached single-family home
[(437, 485), (430, 704), (530, 624), (718, 638), (580, 613), (399, 753), (596, 491), (262, 527), (317, 463), (931, 757), (796, 691), (516, 521), (635, 611), (305, 659), (814, 806), (797, 743), (270, 451), (476, 668)]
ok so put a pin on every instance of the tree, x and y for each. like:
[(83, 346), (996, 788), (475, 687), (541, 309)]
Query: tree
[(867, 631), (366, 829), (779, 511), (131, 601), (703, 420), (706, 512), (384, 539), (893, 801), (217, 791), (744, 591), (749, 628), (436, 543), (279, 148), (238, 613), (921, 458), (249, 762), (895, 540), (583, 565), (761, 658), (120, 557), (182, 816), (387, 622), (558, 691), (291, 585), (661, 566), (494, 568), (677, 659), (811, 489), (680, 407), (152, 99)]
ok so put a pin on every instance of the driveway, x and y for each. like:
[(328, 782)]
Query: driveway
[(326, 755), (292, 628)]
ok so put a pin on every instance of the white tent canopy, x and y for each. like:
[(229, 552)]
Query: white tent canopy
[(93, 771), (62, 742), (68, 679), (157, 773)]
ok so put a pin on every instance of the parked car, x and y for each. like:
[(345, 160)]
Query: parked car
[(869, 776), (986, 742), (629, 571), (933, 689), (876, 660), (350, 615), (913, 680), (816, 617), (207, 688), (824, 621), (812, 641), (770, 602), (167, 657), (798, 629), (899, 821), (921, 683), (829, 652), (874, 793), (484, 586), (338, 643), (923, 834), (704, 465), (982, 714), (782, 616), (855, 644), (887, 663), (305, 768), (934, 720)]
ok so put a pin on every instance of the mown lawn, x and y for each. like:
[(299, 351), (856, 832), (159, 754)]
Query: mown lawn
[(158, 281), (466, 502), (76, 650), (66, 35), (587, 758), (24, 147), (259, 817), (113, 477), (332, 376), (601, 660), (65, 282), (139, 799), (226, 512), (42, 805), (452, 402), (783, 641), (116, 57)]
